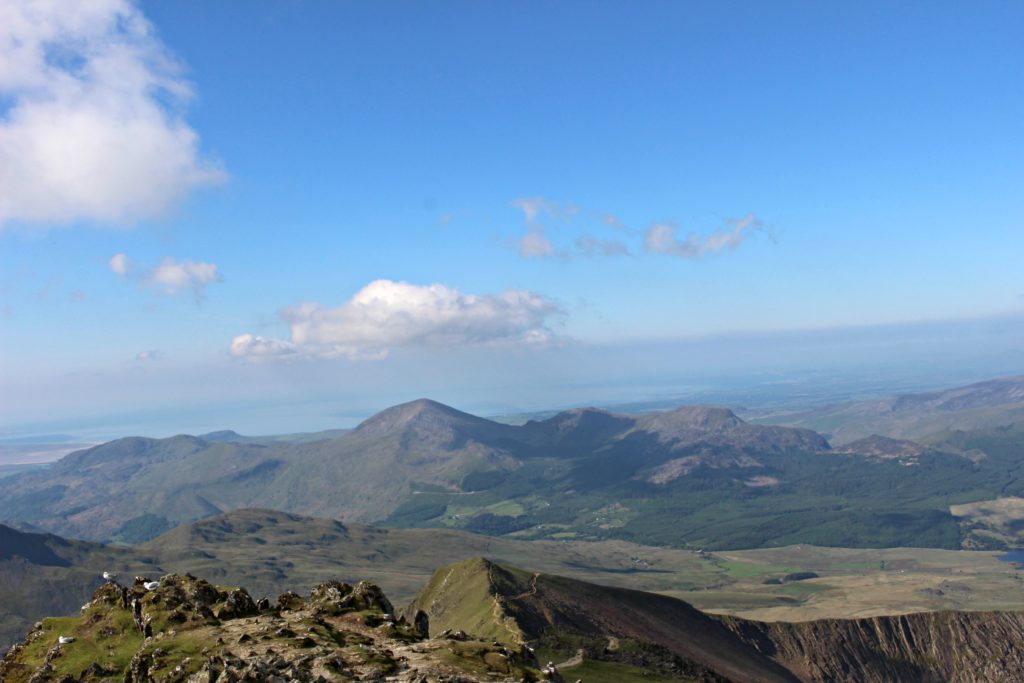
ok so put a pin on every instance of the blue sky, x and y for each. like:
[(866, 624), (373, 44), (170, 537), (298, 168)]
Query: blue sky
[(547, 195)]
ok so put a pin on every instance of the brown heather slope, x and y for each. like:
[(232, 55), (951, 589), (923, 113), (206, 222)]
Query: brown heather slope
[(499, 602)]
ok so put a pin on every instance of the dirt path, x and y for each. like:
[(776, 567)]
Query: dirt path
[(533, 588), (575, 660)]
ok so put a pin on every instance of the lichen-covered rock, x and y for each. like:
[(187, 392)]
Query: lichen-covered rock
[(290, 601), (237, 604)]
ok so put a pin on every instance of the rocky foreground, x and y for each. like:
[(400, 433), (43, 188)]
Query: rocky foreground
[(477, 621), (181, 628)]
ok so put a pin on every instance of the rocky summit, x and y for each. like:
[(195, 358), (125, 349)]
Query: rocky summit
[(180, 628)]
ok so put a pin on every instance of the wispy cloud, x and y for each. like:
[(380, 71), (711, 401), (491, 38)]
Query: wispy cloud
[(534, 242), (659, 238), (150, 355), (612, 221), (386, 315), (94, 125), (662, 238), (169, 276), (588, 245), (534, 208)]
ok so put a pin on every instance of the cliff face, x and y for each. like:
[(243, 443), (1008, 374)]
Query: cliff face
[(967, 647)]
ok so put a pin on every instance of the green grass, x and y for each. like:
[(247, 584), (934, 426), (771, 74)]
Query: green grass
[(112, 652), (178, 648), (746, 570)]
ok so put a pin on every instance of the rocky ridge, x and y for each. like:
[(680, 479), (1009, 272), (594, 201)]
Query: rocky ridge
[(182, 629)]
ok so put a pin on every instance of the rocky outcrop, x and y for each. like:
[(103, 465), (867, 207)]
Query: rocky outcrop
[(182, 629)]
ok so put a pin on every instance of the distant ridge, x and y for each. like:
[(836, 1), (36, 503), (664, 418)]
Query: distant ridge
[(992, 403)]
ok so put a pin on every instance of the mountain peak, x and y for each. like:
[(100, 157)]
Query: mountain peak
[(423, 412), (222, 436), (698, 417)]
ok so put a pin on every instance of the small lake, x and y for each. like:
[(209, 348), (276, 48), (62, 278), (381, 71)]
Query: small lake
[(1016, 555)]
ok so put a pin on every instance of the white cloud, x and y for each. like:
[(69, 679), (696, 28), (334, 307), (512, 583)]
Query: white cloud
[(662, 238), (385, 315), (119, 264), (256, 347), (152, 354), (170, 276), (94, 128)]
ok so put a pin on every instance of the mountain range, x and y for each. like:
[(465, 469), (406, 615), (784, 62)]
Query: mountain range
[(697, 477)]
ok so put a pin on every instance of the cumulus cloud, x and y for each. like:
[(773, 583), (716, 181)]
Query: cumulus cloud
[(172, 276), (662, 238), (255, 347), (385, 315), (93, 126), (169, 276)]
